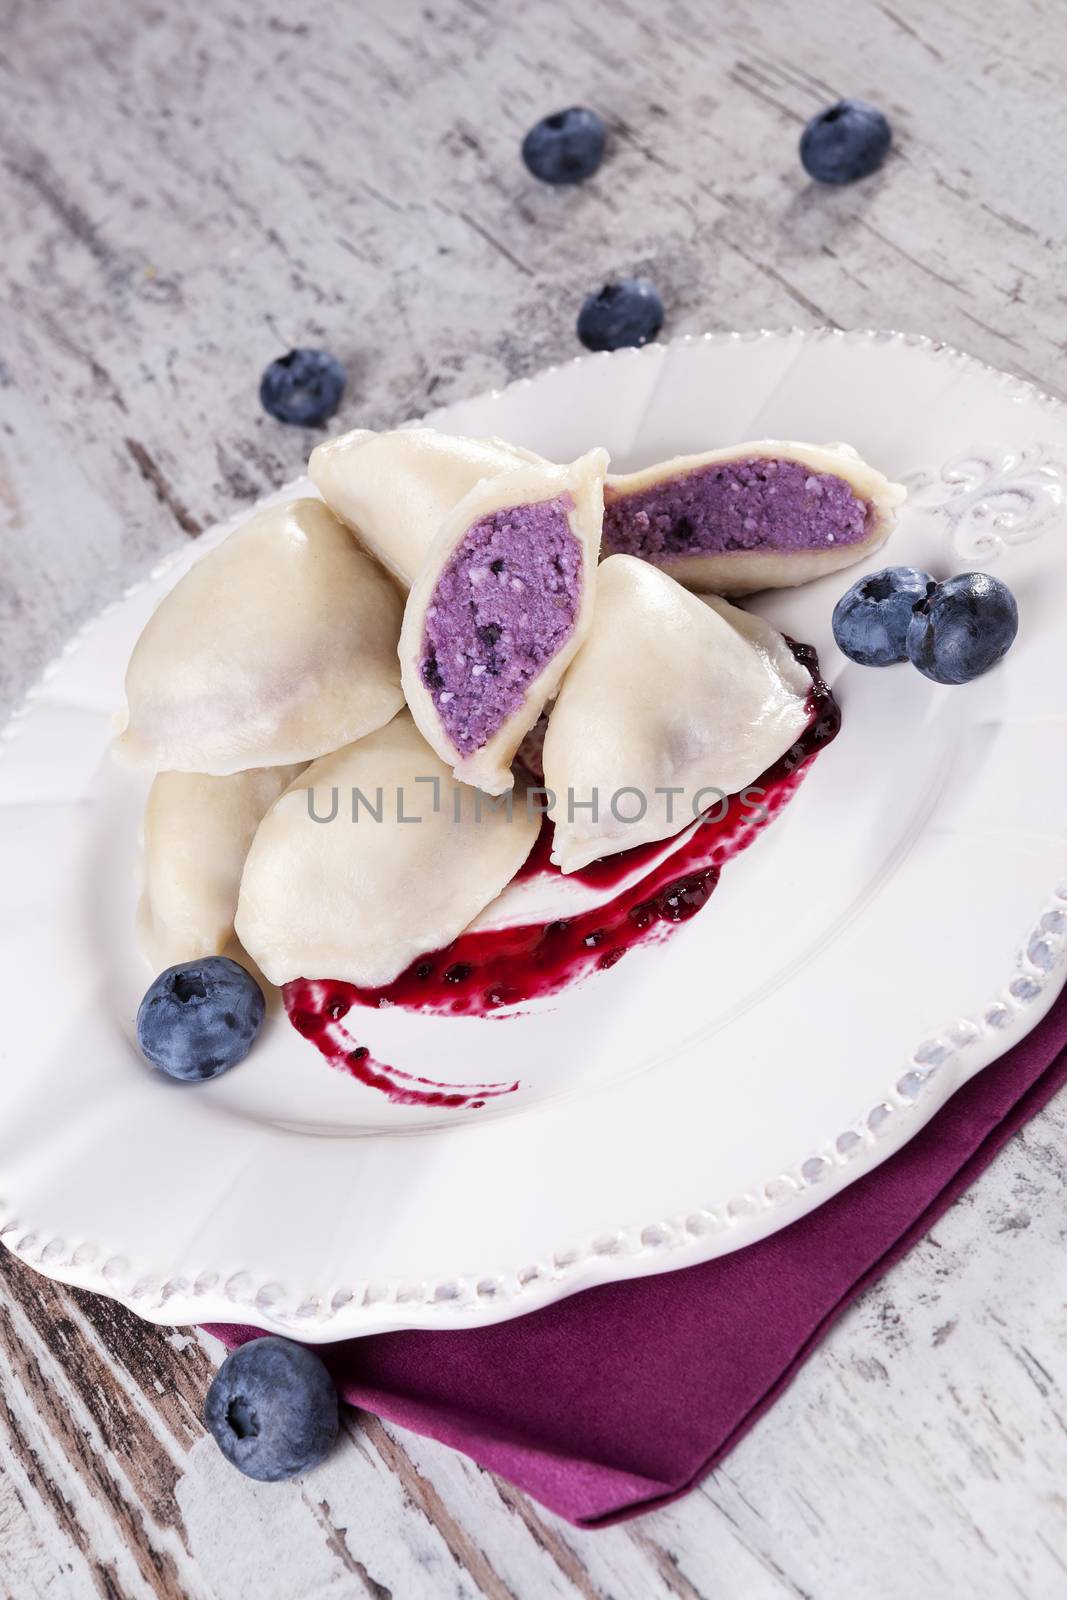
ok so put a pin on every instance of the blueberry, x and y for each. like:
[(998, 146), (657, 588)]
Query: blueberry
[(846, 141), (621, 314), (304, 387), (566, 147), (963, 628), (870, 622), (199, 1019), (272, 1409)]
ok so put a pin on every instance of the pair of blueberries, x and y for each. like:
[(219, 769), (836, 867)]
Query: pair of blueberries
[(952, 631), (845, 141)]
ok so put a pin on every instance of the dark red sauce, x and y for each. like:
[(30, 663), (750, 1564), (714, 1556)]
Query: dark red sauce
[(317, 1007), (486, 970)]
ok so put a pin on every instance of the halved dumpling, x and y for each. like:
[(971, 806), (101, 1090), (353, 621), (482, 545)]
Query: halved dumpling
[(765, 515), (342, 881), (669, 691), (278, 646), (499, 608), (394, 490), (197, 832)]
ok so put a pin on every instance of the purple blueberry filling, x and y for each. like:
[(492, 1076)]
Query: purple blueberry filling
[(734, 506), (504, 605)]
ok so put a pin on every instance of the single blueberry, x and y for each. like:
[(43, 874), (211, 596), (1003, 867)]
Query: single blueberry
[(566, 147), (963, 628), (200, 1018), (870, 621), (848, 140), (621, 315), (303, 388), (272, 1409)]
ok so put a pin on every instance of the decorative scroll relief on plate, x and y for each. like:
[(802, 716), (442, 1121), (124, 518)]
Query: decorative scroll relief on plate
[(994, 497)]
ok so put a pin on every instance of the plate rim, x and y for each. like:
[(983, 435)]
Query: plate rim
[(664, 1243)]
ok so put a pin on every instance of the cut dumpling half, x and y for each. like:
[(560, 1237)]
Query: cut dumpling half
[(668, 691), (765, 515), (197, 832), (336, 885), (277, 647), (394, 490), (502, 603)]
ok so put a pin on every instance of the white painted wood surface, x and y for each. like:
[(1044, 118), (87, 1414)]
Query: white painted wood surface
[(188, 190)]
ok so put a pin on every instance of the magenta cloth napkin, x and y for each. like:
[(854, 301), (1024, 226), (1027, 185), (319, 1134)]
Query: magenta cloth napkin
[(621, 1398)]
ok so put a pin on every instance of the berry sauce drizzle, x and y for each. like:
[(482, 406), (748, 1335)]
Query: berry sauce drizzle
[(488, 969), (317, 1008)]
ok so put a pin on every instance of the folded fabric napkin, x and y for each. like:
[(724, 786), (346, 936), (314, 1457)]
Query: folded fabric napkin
[(621, 1398)]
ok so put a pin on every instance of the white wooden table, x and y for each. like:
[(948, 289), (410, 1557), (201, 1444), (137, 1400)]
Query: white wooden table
[(188, 190)]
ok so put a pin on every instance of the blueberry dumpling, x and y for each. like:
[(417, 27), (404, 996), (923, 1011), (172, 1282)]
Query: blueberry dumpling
[(196, 834), (394, 490), (670, 691), (277, 647), (764, 515), (355, 889), (501, 604)]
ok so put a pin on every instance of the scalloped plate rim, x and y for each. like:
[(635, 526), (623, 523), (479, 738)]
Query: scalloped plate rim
[(659, 1245)]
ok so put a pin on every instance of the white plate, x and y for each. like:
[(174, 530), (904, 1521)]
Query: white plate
[(893, 932)]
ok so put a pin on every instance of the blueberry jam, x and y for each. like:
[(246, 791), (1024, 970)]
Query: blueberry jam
[(487, 970)]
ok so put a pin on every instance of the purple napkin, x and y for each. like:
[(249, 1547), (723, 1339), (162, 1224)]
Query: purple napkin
[(620, 1399)]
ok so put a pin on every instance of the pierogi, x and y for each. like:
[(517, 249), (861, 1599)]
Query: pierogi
[(501, 604), (764, 515), (668, 692), (373, 856), (197, 831), (395, 489), (277, 647)]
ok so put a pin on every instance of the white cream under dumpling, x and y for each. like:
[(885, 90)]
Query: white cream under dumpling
[(197, 833), (395, 489), (358, 900), (280, 645), (668, 691), (501, 604)]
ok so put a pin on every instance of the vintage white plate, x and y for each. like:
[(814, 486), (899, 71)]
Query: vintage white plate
[(901, 925)]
